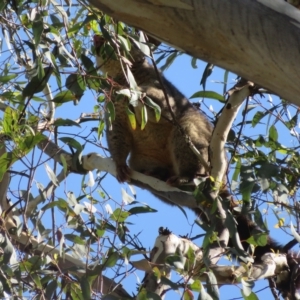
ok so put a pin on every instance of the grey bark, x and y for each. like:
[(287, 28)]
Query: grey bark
[(258, 40)]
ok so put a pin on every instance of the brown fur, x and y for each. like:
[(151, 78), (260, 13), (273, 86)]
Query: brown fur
[(160, 149)]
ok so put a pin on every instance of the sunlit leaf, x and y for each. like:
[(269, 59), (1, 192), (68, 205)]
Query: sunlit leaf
[(51, 174), (111, 260), (156, 107), (144, 115), (208, 94), (273, 134), (131, 117), (7, 78), (111, 110), (119, 215)]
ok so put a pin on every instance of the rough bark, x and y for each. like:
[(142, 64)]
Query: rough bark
[(258, 40)]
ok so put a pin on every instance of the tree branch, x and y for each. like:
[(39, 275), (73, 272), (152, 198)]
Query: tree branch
[(257, 40)]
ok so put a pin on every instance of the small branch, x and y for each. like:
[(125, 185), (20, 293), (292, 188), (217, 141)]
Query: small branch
[(219, 163), (168, 244), (94, 161), (236, 98), (108, 286), (50, 188)]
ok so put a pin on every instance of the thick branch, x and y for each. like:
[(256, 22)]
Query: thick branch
[(168, 245), (259, 40)]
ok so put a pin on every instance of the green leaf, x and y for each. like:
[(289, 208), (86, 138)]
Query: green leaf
[(50, 289), (76, 84), (194, 62), (72, 142), (225, 82), (212, 285), (8, 250), (144, 115), (260, 141), (85, 288), (63, 97), (170, 59), (141, 210), (37, 280), (259, 220), (6, 160), (37, 29), (259, 239), (104, 32), (207, 72), (74, 30), (61, 203), (4, 287), (156, 107), (75, 239), (10, 121), (257, 117), (246, 188), (40, 69), (89, 65), (7, 78), (237, 170), (101, 127), (195, 286), (31, 141), (56, 21), (37, 85), (125, 44), (177, 261), (119, 215), (111, 110), (230, 223), (65, 122), (273, 134), (131, 117), (3, 4), (111, 260), (208, 94), (64, 163), (94, 83), (188, 295), (146, 295)]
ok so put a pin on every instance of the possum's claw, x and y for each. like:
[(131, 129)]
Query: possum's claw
[(123, 173)]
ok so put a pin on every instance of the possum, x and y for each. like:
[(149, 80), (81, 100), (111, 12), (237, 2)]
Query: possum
[(160, 149)]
